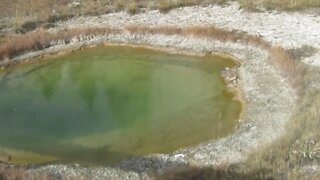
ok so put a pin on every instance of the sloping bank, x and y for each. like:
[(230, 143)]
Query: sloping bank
[(268, 94)]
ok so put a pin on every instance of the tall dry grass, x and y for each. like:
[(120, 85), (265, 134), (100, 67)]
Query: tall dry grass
[(41, 39), (280, 5), (269, 158), (203, 32), (42, 11), (133, 7), (290, 68), (20, 174), (166, 5), (296, 155), (276, 161), (39, 12)]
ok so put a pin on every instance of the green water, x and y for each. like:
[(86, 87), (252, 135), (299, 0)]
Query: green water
[(102, 105)]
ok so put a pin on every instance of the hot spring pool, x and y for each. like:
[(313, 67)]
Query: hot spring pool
[(101, 105)]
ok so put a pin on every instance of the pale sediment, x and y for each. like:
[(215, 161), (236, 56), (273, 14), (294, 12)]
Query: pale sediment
[(269, 103), (269, 98)]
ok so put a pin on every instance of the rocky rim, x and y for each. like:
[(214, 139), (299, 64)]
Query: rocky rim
[(269, 99)]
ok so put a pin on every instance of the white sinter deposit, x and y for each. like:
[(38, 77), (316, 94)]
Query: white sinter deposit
[(269, 99)]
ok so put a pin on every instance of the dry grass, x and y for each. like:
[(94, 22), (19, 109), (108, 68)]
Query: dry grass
[(203, 32), (281, 155), (166, 5), (42, 11), (19, 174), (133, 7), (272, 162), (300, 147), (211, 173), (40, 39), (289, 67), (280, 5), (12, 46)]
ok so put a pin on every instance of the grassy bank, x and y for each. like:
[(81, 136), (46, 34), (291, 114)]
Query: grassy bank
[(271, 161), (280, 5), (40, 39), (27, 15), (286, 158), (20, 174)]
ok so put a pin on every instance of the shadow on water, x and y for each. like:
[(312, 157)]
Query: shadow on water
[(88, 85), (49, 103)]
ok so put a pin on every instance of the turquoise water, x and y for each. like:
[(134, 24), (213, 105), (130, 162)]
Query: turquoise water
[(105, 104)]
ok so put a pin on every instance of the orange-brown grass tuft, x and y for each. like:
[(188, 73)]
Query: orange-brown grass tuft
[(19, 173), (282, 60), (280, 5), (202, 32), (40, 39), (278, 56)]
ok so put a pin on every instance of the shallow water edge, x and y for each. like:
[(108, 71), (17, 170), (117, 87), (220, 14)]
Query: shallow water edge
[(255, 128), (208, 64)]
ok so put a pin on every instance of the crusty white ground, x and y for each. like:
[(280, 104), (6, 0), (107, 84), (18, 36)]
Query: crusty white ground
[(269, 103), (269, 98), (288, 29)]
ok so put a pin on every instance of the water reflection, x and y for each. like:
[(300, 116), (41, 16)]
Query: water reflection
[(114, 103)]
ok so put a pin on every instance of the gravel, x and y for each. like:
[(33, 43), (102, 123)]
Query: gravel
[(288, 29), (269, 100)]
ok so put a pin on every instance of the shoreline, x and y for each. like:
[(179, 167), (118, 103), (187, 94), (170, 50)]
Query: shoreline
[(232, 149), (269, 98)]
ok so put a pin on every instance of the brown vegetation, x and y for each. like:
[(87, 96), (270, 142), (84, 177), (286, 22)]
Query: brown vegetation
[(280, 5), (289, 67), (212, 173), (40, 39), (202, 32), (280, 154), (133, 8), (19, 174), (38, 13), (290, 156), (298, 148), (28, 15), (166, 5)]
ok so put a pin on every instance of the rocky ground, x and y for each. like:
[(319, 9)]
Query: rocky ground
[(288, 29), (269, 99)]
